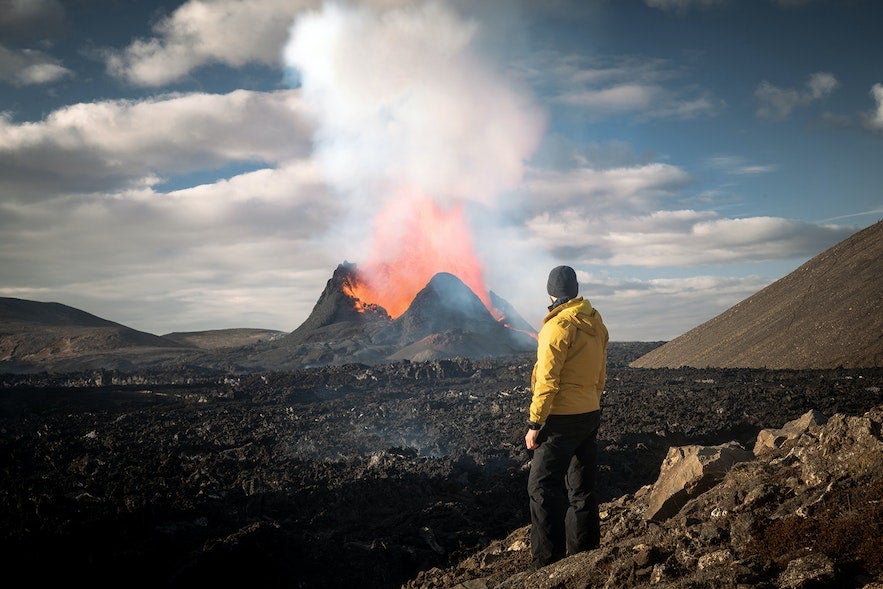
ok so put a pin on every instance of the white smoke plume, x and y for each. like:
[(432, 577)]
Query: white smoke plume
[(405, 104)]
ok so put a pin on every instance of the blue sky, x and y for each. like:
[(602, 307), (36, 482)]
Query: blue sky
[(178, 166)]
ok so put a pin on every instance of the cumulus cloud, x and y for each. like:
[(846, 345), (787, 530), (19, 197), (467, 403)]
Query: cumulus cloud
[(28, 67), (625, 97), (778, 103), (590, 191), (22, 23), (202, 32), (107, 145), (237, 248), (205, 32), (388, 94)]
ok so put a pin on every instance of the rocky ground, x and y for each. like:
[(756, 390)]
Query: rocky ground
[(413, 474)]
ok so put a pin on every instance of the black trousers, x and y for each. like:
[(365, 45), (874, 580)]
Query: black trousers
[(561, 485)]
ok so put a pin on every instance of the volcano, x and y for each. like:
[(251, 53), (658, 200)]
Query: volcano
[(445, 319)]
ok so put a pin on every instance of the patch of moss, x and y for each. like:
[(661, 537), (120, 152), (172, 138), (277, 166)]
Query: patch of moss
[(846, 527)]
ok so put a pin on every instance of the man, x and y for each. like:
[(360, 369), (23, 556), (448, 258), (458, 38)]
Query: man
[(567, 381)]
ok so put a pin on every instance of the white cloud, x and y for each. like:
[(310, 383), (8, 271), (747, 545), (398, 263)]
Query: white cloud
[(22, 24), (251, 249), (27, 67), (203, 32), (739, 166), (660, 309), (407, 95), (778, 103), (626, 97), (601, 87), (874, 120), (634, 308), (594, 191), (107, 145), (681, 238)]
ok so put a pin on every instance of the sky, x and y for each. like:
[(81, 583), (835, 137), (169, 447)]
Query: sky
[(182, 166)]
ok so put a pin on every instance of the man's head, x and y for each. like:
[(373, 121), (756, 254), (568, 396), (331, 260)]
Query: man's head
[(562, 283)]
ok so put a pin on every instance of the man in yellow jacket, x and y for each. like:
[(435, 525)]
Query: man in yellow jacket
[(565, 410)]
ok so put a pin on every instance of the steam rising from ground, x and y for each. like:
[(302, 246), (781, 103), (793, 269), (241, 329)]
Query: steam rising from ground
[(406, 110)]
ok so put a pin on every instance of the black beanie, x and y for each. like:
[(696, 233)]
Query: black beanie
[(562, 282)]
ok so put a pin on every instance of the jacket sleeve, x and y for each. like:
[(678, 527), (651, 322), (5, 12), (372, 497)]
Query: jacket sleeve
[(553, 342), (602, 376)]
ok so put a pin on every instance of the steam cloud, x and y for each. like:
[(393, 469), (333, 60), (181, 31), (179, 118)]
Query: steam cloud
[(405, 105)]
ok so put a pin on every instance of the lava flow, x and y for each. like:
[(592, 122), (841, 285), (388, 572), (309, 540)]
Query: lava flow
[(414, 239)]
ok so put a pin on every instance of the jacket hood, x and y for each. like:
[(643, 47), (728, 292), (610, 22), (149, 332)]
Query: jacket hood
[(580, 313)]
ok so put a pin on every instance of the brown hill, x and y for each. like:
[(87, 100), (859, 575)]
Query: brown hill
[(825, 314), (214, 339), (34, 332)]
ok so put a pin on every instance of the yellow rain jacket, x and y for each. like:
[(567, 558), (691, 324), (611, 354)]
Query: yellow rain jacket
[(571, 367)]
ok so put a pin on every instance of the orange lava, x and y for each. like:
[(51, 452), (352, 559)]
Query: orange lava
[(414, 239)]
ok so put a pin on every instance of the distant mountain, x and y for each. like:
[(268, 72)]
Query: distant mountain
[(216, 339), (825, 314), (46, 334)]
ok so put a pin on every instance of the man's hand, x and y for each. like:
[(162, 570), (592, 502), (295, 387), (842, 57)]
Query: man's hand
[(530, 439)]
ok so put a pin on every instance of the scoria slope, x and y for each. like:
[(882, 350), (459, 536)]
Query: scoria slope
[(825, 314)]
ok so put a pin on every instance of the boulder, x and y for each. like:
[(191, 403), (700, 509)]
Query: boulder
[(770, 439), (856, 442), (813, 570), (688, 471)]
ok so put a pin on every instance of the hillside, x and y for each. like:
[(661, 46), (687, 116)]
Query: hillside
[(825, 314), (34, 333), (214, 339)]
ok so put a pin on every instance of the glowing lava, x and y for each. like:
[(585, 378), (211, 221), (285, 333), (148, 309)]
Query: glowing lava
[(414, 239)]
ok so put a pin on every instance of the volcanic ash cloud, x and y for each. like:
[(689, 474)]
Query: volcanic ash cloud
[(408, 110)]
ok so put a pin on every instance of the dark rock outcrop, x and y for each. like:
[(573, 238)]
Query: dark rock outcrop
[(806, 514), (689, 471), (336, 307)]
